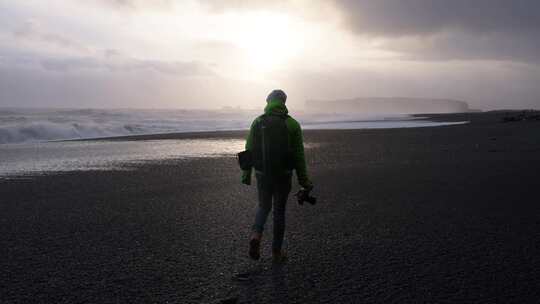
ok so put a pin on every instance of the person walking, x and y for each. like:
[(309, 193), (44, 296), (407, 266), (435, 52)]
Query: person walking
[(276, 145)]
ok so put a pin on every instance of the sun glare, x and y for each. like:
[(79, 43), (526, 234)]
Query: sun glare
[(269, 40)]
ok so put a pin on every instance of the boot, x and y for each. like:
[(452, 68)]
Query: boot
[(279, 256), (255, 246)]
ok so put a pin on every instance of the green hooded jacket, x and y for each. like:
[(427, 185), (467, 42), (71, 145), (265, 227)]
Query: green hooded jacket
[(296, 142)]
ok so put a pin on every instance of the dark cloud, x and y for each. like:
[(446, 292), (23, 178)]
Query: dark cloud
[(420, 17), (450, 30), (467, 46)]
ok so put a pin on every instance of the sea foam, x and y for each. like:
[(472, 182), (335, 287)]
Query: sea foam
[(18, 126)]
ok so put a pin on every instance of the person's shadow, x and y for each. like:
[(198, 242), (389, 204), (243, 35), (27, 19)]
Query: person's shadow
[(280, 283), (252, 283)]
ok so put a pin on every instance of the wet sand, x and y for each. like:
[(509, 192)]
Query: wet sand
[(443, 214)]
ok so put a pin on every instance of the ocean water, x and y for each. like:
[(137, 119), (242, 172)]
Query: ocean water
[(44, 157), (33, 141), (26, 125), (33, 125)]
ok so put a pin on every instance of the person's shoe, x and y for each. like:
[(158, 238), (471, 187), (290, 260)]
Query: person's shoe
[(255, 249), (279, 256)]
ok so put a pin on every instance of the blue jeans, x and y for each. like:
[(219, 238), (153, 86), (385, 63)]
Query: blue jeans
[(272, 191)]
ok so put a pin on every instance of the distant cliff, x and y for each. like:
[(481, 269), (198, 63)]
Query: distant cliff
[(389, 105)]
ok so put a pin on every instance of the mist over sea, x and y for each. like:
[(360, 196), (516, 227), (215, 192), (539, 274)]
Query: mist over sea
[(32, 125)]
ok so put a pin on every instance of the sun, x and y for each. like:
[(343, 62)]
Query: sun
[(268, 40)]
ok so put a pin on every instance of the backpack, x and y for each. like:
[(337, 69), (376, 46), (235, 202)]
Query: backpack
[(271, 151)]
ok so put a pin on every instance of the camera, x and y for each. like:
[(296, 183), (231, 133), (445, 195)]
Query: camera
[(303, 196)]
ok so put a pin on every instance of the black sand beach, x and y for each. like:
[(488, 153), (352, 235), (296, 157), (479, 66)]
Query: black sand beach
[(438, 215)]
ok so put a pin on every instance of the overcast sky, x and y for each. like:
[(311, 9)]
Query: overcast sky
[(201, 54)]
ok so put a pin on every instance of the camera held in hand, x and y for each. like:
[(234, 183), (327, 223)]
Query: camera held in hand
[(303, 196)]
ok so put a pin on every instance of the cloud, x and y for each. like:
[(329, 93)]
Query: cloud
[(81, 57), (95, 88), (448, 46), (421, 17), (106, 61), (220, 5), (180, 53), (134, 4), (31, 30), (69, 64), (118, 63), (449, 30)]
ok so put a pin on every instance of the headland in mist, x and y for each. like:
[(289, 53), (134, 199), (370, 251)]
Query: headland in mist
[(389, 105)]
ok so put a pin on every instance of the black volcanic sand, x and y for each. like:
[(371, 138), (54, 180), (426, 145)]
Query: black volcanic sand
[(444, 214)]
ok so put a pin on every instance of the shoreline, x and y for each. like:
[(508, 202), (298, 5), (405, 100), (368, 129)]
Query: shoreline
[(450, 118), (473, 117), (241, 133)]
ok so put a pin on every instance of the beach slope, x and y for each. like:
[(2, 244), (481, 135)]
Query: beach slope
[(442, 214)]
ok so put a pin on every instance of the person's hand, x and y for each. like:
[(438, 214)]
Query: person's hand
[(308, 186), (246, 179)]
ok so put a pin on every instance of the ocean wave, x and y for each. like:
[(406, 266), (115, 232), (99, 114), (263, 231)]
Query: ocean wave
[(17, 126), (39, 131), (31, 125)]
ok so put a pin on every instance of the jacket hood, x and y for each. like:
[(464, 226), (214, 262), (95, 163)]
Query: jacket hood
[(276, 107)]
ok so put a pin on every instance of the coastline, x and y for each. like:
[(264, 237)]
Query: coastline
[(442, 118)]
